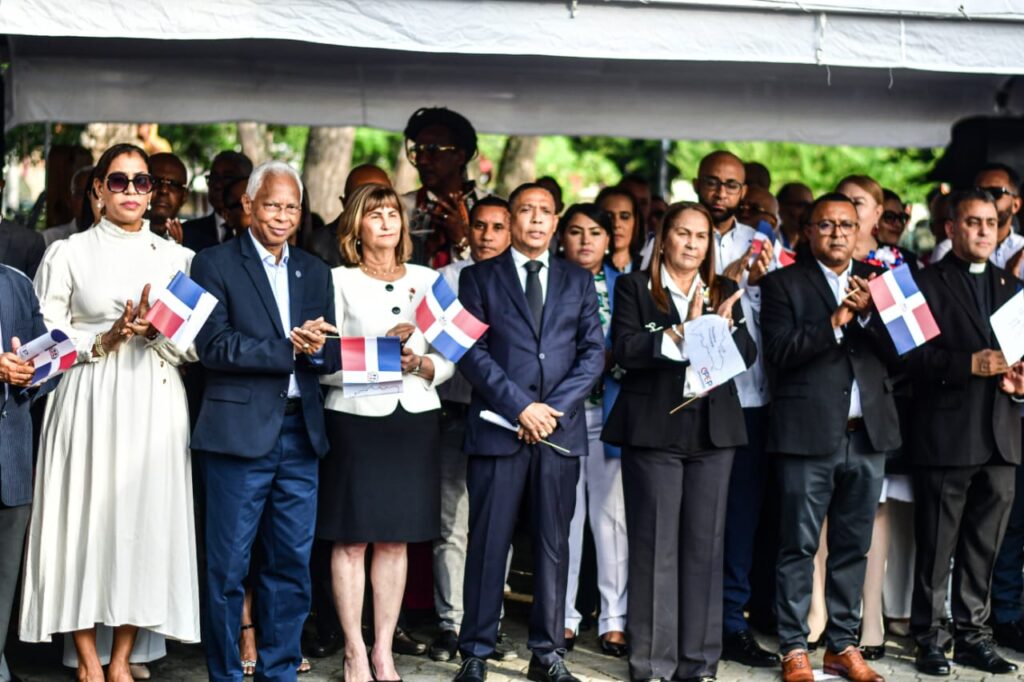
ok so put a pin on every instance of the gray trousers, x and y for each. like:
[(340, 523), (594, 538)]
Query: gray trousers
[(450, 549), (843, 486), (961, 514), (675, 525), (13, 523)]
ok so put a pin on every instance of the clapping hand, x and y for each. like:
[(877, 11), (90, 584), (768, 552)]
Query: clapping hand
[(120, 331), (311, 336), (857, 300), (140, 326), (451, 219), (14, 370), (725, 307), (174, 229), (1013, 381)]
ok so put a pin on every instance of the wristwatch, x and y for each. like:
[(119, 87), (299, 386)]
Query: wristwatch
[(97, 346), (418, 367)]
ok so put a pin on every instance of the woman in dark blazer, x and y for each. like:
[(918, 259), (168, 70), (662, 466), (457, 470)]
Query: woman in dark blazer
[(675, 467)]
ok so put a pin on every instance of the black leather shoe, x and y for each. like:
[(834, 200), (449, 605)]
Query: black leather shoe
[(873, 653), (983, 656), (444, 647), (1010, 635), (813, 646), (615, 649), (931, 661), (741, 647), (472, 670), (504, 649), (322, 647), (405, 645), (556, 672)]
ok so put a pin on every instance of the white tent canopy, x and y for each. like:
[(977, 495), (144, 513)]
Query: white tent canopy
[(882, 73)]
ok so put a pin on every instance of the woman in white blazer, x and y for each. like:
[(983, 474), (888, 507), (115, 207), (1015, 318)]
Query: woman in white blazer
[(380, 483)]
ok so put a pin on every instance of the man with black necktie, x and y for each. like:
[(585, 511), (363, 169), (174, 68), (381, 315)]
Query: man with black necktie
[(966, 415), (535, 365)]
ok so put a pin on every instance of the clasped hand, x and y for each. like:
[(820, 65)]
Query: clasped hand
[(311, 336), (14, 370), (537, 421), (132, 322), (856, 302)]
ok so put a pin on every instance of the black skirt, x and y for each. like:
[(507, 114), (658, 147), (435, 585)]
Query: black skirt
[(381, 481)]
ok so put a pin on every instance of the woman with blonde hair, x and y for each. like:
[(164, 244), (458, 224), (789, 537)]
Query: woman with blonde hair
[(380, 484)]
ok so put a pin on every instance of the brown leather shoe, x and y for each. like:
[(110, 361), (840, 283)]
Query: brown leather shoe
[(796, 667), (849, 663)]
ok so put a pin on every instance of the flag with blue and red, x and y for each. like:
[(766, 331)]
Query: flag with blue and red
[(448, 327), (903, 309)]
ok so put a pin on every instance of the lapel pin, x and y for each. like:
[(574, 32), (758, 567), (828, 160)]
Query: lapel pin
[(298, 273)]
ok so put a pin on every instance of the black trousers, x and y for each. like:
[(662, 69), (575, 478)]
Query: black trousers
[(675, 522), (496, 486), (960, 513), (843, 486)]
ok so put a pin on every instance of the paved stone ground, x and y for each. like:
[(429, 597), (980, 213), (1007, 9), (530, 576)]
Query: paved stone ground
[(185, 663)]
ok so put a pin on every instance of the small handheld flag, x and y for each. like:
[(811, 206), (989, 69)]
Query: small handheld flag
[(50, 354), (371, 365), (903, 309), (447, 326), (783, 256), (181, 310)]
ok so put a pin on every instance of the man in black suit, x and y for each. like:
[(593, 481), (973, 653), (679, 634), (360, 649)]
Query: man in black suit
[(536, 365), (832, 420), (210, 230), (968, 441)]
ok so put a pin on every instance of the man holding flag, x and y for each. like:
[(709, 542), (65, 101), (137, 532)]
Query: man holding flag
[(535, 365), (968, 441), (832, 419)]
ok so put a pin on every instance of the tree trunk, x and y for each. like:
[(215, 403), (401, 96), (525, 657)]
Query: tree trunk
[(97, 137), (518, 163), (328, 161), (255, 141)]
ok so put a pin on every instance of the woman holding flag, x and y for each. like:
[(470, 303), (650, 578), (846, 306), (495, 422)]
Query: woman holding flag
[(677, 449), (380, 484), (112, 539)]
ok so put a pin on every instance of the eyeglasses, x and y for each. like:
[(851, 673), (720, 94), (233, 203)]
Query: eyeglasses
[(712, 184), (415, 151), (170, 185), (274, 208), (828, 226), (997, 192), (894, 217), (118, 183)]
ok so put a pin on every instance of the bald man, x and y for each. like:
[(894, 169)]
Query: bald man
[(170, 187), (721, 187), (758, 175), (323, 242), (759, 205)]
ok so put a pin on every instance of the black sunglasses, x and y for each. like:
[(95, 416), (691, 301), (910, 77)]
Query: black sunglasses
[(170, 185), (998, 192), (118, 183)]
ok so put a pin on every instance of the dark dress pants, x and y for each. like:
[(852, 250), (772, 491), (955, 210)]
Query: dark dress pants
[(13, 524), (675, 522), (1008, 578), (496, 486), (274, 496), (843, 486), (960, 513), (747, 484)]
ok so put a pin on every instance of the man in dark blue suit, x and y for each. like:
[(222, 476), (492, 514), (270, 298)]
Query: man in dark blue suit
[(261, 425), (20, 321), (539, 360)]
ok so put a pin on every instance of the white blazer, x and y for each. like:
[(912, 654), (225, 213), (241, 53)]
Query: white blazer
[(365, 306)]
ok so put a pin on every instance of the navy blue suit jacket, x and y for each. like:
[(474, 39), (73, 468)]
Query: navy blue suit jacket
[(247, 354), (200, 234), (514, 364), (19, 316)]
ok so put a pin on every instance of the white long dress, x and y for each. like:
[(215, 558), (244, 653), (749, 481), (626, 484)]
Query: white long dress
[(112, 537)]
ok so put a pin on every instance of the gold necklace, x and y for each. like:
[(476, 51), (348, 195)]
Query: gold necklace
[(377, 273)]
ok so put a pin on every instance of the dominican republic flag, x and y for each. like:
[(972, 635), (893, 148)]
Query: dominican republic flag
[(50, 354), (180, 311), (903, 309), (369, 360), (783, 257), (447, 326)]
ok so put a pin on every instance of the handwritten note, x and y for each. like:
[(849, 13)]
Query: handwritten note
[(1008, 326), (714, 357)]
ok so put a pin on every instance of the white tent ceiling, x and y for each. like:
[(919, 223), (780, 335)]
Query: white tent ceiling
[(891, 73)]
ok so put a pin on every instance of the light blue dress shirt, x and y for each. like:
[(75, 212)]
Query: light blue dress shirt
[(277, 275)]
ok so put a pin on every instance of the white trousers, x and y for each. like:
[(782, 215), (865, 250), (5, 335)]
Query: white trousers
[(599, 494)]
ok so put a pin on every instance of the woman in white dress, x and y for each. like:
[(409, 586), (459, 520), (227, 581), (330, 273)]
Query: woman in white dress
[(112, 539)]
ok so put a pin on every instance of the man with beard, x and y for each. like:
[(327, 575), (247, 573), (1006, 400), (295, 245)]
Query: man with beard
[(721, 186), (170, 186)]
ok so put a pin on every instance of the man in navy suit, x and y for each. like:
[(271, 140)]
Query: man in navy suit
[(261, 425), (539, 360), (20, 321)]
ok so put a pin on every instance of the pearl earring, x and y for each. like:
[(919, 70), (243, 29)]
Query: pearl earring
[(359, 242), (607, 251)]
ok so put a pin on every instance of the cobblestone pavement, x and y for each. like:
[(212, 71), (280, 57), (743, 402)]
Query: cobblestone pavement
[(185, 663)]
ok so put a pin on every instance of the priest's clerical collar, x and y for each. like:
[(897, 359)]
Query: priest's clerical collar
[(973, 268)]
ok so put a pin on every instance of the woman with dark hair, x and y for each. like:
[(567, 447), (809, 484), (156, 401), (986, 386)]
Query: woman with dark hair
[(629, 232), (676, 457), (585, 236), (380, 484), (112, 539)]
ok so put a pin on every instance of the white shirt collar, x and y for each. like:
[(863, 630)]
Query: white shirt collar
[(831, 274), (670, 284), (520, 259), (266, 256)]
